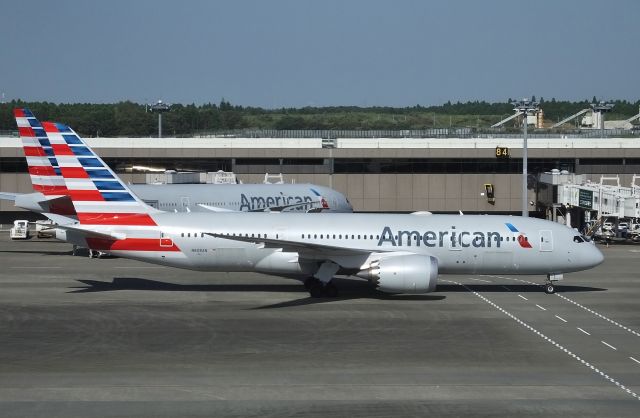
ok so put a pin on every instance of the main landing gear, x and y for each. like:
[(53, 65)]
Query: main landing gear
[(320, 286), (317, 289)]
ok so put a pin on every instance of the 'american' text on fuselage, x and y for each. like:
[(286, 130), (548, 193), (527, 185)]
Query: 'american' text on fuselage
[(452, 238)]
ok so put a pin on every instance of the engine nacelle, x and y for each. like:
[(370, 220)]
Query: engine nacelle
[(404, 274)]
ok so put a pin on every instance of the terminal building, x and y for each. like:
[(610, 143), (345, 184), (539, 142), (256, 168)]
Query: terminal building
[(402, 172)]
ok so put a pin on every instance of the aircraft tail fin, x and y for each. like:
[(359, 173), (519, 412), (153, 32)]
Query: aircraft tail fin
[(98, 195), (45, 176)]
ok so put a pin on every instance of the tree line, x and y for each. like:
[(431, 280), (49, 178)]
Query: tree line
[(130, 119)]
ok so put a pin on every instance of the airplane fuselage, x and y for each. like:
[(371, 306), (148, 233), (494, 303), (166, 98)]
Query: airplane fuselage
[(473, 244)]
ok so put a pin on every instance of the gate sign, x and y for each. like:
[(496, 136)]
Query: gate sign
[(585, 199)]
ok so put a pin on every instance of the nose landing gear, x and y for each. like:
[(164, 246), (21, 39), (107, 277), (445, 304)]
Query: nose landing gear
[(549, 287)]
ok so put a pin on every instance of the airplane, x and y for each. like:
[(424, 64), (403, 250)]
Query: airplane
[(48, 184), (397, 253)]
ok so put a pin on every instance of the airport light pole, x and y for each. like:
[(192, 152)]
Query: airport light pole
[(525, 106), (160, 108)]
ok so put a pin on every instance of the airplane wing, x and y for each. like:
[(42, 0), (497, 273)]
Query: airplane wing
[(214, 208), (345, 257), (9, 196), (295, 246)]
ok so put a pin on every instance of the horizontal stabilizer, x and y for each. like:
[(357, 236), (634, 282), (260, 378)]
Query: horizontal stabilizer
[(90, 233), (9, 196)]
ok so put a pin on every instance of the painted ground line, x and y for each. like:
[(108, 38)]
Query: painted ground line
[(523, 297), (591, 311), (609, 345), (561, 318), (599, 315), (554, 343), (35, 267), (481, 280), (541, 307), (637, 361), (583, 331)]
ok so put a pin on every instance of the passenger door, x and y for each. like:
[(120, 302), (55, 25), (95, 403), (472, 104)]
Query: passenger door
[(546, 240)]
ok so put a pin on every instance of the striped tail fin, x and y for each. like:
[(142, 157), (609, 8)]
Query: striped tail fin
[(98, 195), (45, 175)]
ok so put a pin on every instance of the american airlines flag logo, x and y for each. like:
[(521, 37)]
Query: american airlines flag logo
[(522, 238)]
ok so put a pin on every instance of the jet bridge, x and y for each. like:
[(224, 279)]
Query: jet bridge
[(607, 198)]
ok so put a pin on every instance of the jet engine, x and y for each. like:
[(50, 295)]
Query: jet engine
[(403, 274)]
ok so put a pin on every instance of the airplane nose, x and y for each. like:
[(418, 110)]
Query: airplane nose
[(595, 256)]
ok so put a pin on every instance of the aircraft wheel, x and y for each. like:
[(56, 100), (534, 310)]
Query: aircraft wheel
[(317, 290), (330, 290), (549, 288), (308, 284)]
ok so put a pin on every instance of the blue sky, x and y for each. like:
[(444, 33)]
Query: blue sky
[(330, 52)]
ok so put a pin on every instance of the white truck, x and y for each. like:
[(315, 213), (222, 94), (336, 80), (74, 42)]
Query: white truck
[(20, 229)]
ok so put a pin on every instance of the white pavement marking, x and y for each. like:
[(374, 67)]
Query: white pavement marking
[(599, 315), (523, 297), (609, 345), (591, 311), (634, 360), (36, 267), (583, 330), (549, 340), (560, 318), (481, 280), (541, 307)]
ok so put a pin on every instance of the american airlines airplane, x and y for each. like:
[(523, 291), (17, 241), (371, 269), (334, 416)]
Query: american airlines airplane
[(48, 183), (397, 253), (201, 197)]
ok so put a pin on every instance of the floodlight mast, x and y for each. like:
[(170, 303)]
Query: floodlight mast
[(525, 106), (160, 108)]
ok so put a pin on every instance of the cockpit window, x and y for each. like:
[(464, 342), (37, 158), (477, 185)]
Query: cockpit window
[(578, 238)]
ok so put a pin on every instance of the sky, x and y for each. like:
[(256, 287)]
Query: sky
[(297, 53)]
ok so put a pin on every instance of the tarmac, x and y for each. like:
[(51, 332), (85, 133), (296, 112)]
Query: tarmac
[(111, 337)]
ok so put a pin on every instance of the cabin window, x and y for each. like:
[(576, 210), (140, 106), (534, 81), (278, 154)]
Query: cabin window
[(578, 239), (182, 235)]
